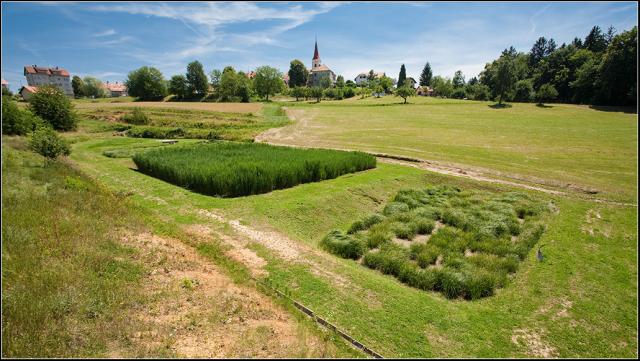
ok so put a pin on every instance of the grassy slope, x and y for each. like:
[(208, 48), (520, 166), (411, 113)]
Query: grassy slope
[(66, 283), (563, 143), (580, 302)]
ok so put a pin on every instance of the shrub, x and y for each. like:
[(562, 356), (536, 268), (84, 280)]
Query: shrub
[(356, 226), (137, 117), (50, 104), (403, 230), (479, 284), (16, 121), (389, 260), (46, 142), (459, 93), (343, 245), (378, 236), (372, 220), (237, 169)]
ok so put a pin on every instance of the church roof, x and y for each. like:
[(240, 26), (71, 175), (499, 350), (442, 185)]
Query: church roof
[(322, 67), (316, 54)]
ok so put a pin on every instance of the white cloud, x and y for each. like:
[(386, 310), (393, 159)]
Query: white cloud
[(105, 33), (207, 21)]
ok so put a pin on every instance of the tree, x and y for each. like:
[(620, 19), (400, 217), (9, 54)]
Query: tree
[(376, 88), (16, 121), (458, 80), (325, 82), (473, 81), (477, 91), (404, 92), (371, 75), (197, 82), (268, 81), (596, 40), (442, 87), (546, 93), (611, 33), (298, 92), (146, 83), (178, 86), (228, 87), (523, 91), (504, 77), (584, 85), (537, 51), (316, 92), (298, 74), (402, 76), (340, 81), (78, 86), (94, 88), (425, 77), (215, 77), (386, 83), (577, 42), (350, 84), (50, 104), (617, 74)]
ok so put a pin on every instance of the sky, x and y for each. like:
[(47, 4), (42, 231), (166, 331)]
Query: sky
[(108, 40)]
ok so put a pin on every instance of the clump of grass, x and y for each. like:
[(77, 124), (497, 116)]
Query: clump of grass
[(231, 169), (479, 222), (343, 245), (137, 117)]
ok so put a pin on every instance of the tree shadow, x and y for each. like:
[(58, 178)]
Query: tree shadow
[(499, 106), (544, 106), (614, 108)]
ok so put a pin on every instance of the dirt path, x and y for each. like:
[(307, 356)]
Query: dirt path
[(289, 135), (195, 311)]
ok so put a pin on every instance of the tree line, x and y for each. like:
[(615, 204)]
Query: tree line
[(600, 69)]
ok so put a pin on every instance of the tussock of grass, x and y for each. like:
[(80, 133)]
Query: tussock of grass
[(237, 169), (481, 223), (343, 245)]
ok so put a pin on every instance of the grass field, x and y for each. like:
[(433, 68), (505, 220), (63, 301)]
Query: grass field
[(558, 145), (579, 302), (230, 169), (108, 103), (175, 120)]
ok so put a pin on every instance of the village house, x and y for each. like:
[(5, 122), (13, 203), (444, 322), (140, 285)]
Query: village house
[(38, 76), (319, 71), (363, 78), (410, 82), (27, 91), (5, 84), (424, 91), (115, 89)]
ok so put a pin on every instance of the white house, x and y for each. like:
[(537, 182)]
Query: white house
[(37, 76), (362, 78), (27, 91), (115, 89)]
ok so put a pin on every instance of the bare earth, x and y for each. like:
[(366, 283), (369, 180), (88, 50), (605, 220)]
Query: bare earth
[(196, 311)]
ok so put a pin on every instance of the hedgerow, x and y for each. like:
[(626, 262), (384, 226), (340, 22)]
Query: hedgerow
[(482, 238), (230, 169)]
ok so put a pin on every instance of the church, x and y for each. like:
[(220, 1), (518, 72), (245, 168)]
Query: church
[(319, 70)]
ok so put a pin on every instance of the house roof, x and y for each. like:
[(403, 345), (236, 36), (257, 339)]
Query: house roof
[(4, 82), (322, 67), (34, 69), (376, 74), (251, 74), (114, 87), (30, 89)]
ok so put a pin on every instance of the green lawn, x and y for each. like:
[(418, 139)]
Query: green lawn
[(557, 145), (580, 302)]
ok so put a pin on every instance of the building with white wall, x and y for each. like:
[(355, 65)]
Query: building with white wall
[(38, 76)]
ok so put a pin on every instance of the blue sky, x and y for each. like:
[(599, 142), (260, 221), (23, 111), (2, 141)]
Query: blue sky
[(107, 40)]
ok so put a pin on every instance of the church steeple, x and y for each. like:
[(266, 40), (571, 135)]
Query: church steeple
[(316, 56)]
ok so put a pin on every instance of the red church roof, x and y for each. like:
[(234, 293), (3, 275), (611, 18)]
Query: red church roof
[(316, 55)]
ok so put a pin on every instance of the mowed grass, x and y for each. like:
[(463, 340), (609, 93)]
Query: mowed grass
[(195, 122), (231, 169), (67, 283), (559, 145), (580, 302), (480, 247)]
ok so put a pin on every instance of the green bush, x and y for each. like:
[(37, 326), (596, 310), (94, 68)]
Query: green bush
[(231, 169), (342, 245), (46, 142), (356, 227), (16, 121), (403, 230), (137, 117), (423, 226), (50, 104)]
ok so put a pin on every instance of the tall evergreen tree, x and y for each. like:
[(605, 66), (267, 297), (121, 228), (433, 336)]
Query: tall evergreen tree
[(297, 74), (458, 79), (402, 76), (596, 40), (427, 74), (537, 51), (611, 33)]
